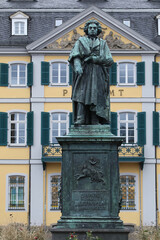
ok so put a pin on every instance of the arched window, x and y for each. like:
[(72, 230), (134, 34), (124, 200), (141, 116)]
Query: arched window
[(16, 192), (55, 182), (128, 184)]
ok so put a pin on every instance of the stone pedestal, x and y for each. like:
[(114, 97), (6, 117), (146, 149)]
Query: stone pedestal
[(90, 183)]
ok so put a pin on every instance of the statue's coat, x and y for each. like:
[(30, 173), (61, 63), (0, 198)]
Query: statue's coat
[(92, 88)]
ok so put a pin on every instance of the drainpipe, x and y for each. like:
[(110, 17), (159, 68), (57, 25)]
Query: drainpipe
[(29, 197), (156, 181), (45, 172), (140, 188)]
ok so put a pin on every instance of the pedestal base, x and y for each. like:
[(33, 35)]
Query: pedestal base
[(103, 234)]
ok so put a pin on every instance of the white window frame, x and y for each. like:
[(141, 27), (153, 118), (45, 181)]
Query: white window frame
[(9, 129), (10, 76), (58, 112), (135, 125), (57, 19), (49, 192), (19, 17), (158, 24), (136, 192), (134, 73), (127, 22), (67, 73), (25, 209)]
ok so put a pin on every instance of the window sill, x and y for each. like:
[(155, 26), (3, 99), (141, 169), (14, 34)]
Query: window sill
[(17, 86), (128, 210), (17, 146), (18, 209), (19, 34), (129, 144), (127, 85), (59, 85)]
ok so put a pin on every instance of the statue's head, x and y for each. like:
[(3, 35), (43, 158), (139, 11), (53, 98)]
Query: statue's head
[(92, 28)]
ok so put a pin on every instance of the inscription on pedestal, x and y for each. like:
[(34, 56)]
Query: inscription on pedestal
[(90, 200)]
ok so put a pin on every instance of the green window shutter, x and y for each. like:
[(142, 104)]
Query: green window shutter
[(44, 128), (3, 74), (113, 74), (70, 74), (30, 128), (114, 123), (45, 73), (155, 73), (30, 74), (70, 119), (155, 128), (141, 73), (141, 128), (3, 128)]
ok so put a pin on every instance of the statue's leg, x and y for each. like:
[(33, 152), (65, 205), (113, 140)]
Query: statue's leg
[(80, 114), (94, 118)]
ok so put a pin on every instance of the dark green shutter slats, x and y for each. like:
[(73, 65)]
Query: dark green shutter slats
[(45, 128), (113, 74), (141, 128), (3, 74), (70, 74), (30, 128), (45, 73), (141, 73), (30, 74), (3, 128), (155, 73), (155, 128), (114, 123), (70, 119)]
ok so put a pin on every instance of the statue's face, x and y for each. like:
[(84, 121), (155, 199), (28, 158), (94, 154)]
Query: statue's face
[(92, 30)]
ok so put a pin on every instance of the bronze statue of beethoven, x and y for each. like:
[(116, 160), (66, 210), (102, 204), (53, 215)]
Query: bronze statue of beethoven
[(91, 59)]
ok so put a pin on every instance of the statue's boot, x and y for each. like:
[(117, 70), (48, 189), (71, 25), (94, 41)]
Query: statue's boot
[(80, 120)]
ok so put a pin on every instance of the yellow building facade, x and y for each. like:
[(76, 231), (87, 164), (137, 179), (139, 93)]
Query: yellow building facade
[(35, 107)]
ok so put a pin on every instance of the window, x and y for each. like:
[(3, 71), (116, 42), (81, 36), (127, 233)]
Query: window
[(128, 192), (58, 22), (59, 125), (127, 127), (17, 132), (19, 23), (59, 73), (18, 74), (16, 192), (19, 28), (126, 73), (127, 22), (55, 182)]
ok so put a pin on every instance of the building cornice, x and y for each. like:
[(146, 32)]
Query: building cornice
[(78, 10)]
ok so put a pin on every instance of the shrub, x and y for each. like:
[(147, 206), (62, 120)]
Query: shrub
[(16, 231)]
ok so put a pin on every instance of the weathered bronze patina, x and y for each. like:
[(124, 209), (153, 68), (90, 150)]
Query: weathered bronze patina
[(90, 59), (90, 196)]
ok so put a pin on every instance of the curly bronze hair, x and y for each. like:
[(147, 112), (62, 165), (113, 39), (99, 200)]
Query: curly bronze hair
[(95, 22)]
